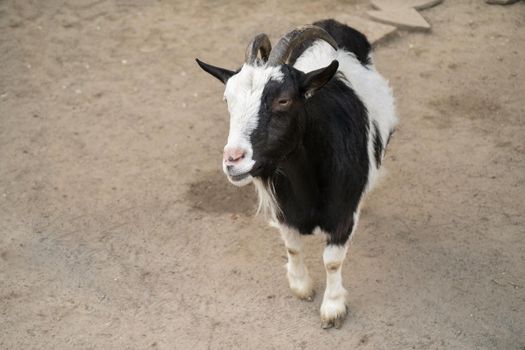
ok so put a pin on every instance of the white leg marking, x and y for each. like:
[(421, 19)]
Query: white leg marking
[(297, 273), (333, 308), (356, 220)]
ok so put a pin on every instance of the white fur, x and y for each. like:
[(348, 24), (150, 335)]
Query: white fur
[(243, 94), (334, 299), (356, 221), (334, 254), (367, 83), (267, 202), (297, 272)]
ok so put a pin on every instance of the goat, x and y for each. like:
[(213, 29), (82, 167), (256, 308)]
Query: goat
[(309, 124)]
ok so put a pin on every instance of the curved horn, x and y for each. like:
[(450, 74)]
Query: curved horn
[(261, 43), (294, 39)]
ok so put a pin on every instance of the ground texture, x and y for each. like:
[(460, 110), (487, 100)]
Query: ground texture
[(118, 230)]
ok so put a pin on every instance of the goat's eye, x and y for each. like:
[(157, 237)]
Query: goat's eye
[(281, 104)]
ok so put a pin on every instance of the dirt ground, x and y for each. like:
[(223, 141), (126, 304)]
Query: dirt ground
[(119, 231)]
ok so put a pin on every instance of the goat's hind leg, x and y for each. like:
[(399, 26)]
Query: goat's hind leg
[(297, 272)]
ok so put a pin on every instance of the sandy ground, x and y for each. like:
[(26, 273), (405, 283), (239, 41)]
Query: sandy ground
[(119, 231)]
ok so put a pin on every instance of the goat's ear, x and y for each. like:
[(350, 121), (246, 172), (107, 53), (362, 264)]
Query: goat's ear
[(219, 73), (314, 80)]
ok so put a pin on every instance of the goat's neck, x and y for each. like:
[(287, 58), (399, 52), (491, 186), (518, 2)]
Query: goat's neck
[(299, 171)]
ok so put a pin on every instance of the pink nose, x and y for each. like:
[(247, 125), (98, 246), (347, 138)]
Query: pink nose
[(233, 155)]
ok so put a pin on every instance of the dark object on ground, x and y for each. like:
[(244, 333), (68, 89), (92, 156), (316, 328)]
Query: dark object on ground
[(501, 2)]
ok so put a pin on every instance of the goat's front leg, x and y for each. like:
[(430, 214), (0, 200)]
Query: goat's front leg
[(333, 308), (297, 273)]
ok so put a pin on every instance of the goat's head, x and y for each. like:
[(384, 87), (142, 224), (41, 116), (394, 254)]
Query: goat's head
[(265, 99)]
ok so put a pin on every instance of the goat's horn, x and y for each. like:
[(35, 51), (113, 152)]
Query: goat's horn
[(293, 39), (261, 43)]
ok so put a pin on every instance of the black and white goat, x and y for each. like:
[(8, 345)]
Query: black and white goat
[(309, 123)]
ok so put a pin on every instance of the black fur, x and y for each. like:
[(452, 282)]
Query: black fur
[(378, 144), (314, 154)]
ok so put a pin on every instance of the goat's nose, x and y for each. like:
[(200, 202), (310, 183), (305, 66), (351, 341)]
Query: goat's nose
[(233, 154)]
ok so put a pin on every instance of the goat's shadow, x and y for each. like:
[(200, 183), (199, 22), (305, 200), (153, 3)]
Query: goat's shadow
[(212, 193)]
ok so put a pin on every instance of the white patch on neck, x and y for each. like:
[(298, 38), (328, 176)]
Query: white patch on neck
[(319, 55), (371, 88)]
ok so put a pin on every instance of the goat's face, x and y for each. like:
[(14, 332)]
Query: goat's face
[(265, 105), (265, 100)]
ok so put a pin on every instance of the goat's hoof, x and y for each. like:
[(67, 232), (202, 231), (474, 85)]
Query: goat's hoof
[(302, 288), (334, 321), (305, 295)]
